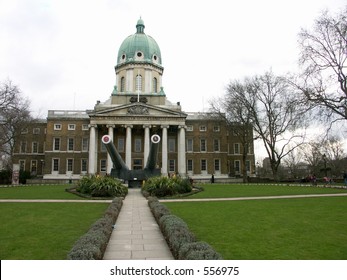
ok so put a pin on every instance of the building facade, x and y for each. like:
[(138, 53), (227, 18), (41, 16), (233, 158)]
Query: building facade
[(68, 144)]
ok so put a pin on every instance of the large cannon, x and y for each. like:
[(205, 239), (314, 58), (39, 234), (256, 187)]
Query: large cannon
[(134, 177)]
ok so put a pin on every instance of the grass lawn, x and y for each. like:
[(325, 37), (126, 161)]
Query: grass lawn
[(37, 192), (305, 228), (245, 190), (43, 230)]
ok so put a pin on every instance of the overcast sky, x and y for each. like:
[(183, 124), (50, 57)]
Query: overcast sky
[(62, 53)]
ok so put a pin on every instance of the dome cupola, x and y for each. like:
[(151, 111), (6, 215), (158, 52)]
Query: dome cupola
[(139, 47)]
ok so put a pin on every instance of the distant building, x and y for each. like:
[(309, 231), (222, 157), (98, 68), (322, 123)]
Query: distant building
[(68, 143)]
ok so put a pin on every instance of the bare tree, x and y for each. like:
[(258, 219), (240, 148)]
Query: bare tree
[(324, 61), (326, 155), (231, 109), (14, 116), (271, 106), (296, 164), (278, 117)]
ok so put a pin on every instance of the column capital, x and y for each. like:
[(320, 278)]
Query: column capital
[(147, 126), (92, 125), (164, 126), (127, 125), (182, 126), (110, 125)]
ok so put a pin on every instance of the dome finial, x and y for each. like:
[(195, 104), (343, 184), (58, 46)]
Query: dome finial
[(140, 26)]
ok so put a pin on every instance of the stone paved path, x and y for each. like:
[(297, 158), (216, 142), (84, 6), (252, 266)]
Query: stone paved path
[(137, 235)]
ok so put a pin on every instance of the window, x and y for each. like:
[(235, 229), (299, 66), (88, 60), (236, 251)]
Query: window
[(103, 147), (137, 163), (237, 166), (202, 145), (203, 165), (56, 144), (248, 165), (190, 128), (138, 145), (23, 147), (22, 165), (121, 144), (57, 126), (203, 128), (85, 127), (236, 148), (155, 85), (172, 164), (189, 145), (216, 128), (138, 83), (103, 165), (122, 84), (55, 165), (24, 131), (33, 167), (216, 145), (69, 165), (85, 143), (84, 165), (70, 144), (190, 165), (217, 165), (172, 145), (36, 130), (35, 148), (71, 127)]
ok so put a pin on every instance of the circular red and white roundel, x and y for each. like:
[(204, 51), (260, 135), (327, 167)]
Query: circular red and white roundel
[(155, 138), (106, 139)]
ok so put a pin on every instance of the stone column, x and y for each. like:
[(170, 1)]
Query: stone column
[(128, 146), (109, 160), (92, 150), (182, 150), (164, 150), (146, 144)]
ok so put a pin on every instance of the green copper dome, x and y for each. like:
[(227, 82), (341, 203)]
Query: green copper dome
[(139, 47)]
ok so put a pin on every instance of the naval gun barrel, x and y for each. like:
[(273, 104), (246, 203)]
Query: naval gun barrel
[(153, 152), (112, 151)]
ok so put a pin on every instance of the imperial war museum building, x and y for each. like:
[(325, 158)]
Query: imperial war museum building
[(67, 145)]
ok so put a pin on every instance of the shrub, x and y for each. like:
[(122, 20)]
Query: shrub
[(5, 177), (180, 239), (85, 251), (113, 210), (159, 210), (92, 245), (176, 232), (98, 186), (164, 186), (23, 176), (198, 251)]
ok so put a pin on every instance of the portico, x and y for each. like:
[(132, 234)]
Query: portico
[(135, 131)]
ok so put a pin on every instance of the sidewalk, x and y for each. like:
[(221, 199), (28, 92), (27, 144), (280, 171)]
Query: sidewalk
[(136, 235)]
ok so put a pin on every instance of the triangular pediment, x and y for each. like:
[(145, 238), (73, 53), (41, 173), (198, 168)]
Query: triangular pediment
[(137, 109)]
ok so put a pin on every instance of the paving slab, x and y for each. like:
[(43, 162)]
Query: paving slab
[(136, 234)]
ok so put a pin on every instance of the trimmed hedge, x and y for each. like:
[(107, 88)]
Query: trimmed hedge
[(92, 245), (198, 251), (182, 242)]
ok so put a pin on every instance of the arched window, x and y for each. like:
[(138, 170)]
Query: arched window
[(138, 83), (155, 85), (122, 84)]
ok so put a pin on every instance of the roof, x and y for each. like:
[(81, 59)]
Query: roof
[(139, 47)]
